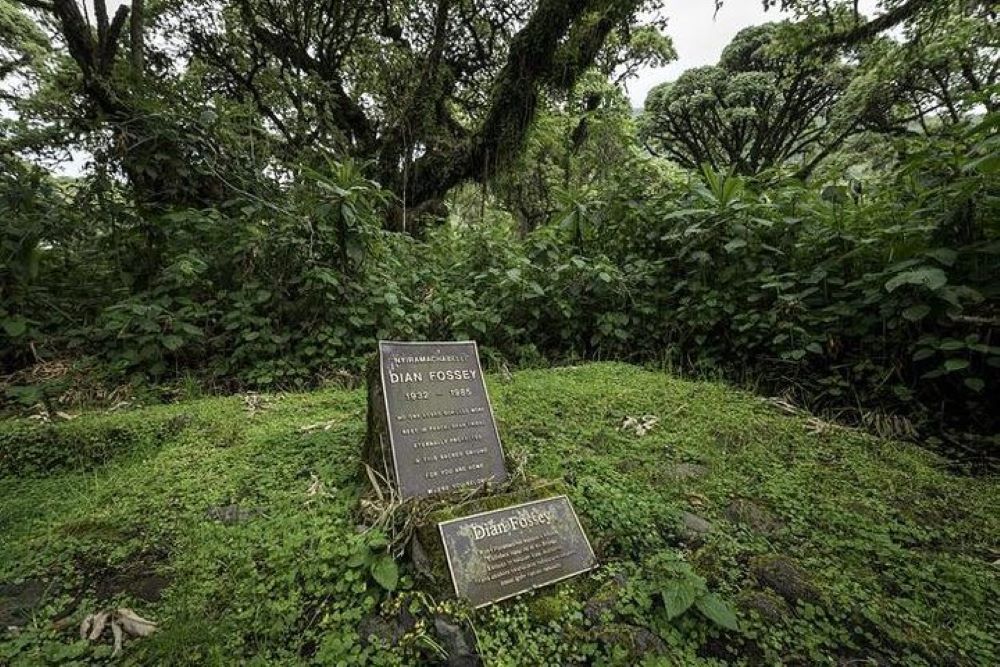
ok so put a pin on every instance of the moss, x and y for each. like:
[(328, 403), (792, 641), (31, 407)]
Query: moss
[(895, 551), (548, 608), (434, 511), (28, 447)]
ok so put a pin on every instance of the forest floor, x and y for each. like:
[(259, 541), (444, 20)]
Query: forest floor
[(232, 523)]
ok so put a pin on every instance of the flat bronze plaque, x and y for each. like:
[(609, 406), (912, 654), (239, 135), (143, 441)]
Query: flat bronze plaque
[(441, 428), (499, 554)]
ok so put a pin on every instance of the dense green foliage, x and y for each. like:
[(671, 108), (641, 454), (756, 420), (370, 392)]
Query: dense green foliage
[(262, 190), (829, 544), (827, 229), (887, 299)]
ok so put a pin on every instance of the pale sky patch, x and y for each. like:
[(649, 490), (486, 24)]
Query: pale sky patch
[(700, 35)]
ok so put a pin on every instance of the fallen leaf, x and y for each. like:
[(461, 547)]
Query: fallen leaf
[(372, 477), (639, 425), (324, 426)]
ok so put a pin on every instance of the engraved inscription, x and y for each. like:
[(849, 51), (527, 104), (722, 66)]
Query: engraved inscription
[(441, 427), (498, 554)]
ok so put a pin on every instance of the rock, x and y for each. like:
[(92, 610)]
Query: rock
[(683, 471), (387, 631), (767, 605), (137, 577), (421, 561), (785, 577), (753, 515), (230, 514), (638, 641), (19, 601), (601, 605), (459, 643), (693, 528), (709, 563)]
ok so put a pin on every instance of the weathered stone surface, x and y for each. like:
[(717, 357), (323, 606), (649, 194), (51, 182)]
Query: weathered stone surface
[(785, 577), (769, 606), (458, 642), (601, 606), (753, 515), (430, 425), (693, 528), (387, 631), (638, 641), (684, 471)]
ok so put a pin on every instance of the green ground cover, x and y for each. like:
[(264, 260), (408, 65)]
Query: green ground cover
[(233, 523)]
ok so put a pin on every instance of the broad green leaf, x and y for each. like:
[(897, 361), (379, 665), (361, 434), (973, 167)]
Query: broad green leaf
[(929, 277), (15, 327), (946, 256), (385, 572), (956, 365), (717, 611), (679, 597), (735, 244), (172, 342), (358, 558), (917, 312), (377, 541), (975, 384)]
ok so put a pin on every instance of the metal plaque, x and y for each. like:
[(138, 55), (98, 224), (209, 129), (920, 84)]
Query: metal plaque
[(499, 554), (441, 427)]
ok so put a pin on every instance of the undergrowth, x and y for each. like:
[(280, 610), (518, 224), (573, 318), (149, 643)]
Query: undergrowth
[(233, 523)]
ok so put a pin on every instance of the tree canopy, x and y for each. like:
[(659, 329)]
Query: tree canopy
[(757, 108), (426, 95)]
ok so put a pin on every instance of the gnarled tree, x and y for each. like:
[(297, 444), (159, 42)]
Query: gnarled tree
[(759, 107), (431, 93), (99, 92)]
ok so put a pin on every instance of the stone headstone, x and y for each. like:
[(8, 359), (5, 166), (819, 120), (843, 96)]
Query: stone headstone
[(501, 553), (431, 426)]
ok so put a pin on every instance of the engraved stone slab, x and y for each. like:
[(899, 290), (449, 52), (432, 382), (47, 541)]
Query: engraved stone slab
[(438, 417), (502, 553)]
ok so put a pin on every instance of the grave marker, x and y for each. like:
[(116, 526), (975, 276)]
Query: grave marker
[(432, 418), (501, 553)]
